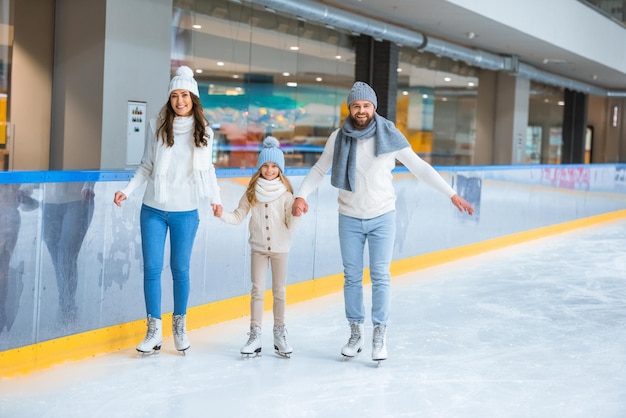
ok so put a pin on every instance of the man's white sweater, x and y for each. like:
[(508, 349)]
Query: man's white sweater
[(373, 194)]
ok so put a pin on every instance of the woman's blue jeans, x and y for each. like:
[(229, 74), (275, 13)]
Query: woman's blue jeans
[(380, 234), (154, 226)]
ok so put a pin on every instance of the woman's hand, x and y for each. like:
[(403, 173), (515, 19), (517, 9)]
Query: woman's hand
[(119, 198)]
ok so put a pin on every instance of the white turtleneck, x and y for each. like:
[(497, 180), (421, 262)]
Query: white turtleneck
[(181, 188)]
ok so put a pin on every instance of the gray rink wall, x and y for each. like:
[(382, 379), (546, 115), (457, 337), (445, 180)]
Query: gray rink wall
[(508, 199)]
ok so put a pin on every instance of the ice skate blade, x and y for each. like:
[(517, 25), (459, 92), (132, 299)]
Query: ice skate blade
[(183, 351), (256, 353), (155, 350), (379, 361), (281, 354), (347, 357)]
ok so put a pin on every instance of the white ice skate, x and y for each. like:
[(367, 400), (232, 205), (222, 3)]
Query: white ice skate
[(281, 345), (179, 331), (379, 343), (355, 343), (154, 337), (253, 347)]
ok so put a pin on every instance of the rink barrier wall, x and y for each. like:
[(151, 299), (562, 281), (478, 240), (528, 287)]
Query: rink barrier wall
[(513, 204), (76, 347)]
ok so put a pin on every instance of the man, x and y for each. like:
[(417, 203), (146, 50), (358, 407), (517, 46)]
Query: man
[(362, 155)]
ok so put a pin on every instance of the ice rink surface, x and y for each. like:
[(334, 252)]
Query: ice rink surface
[(532, 330)]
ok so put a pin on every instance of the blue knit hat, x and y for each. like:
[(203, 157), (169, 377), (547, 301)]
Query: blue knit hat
[(271, 153), (362, 91)]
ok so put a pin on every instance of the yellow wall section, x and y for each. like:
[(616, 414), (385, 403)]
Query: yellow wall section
[(124, 336)]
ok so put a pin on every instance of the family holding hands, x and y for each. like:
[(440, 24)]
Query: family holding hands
[(177, 168)]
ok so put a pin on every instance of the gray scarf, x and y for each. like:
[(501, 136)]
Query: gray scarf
[(388, 139)]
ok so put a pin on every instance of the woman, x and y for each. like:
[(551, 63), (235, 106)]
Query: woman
[(178, 167)]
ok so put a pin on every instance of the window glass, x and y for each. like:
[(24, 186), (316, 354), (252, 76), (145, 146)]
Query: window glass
[(261, 73), (545, 121), (436, 107)]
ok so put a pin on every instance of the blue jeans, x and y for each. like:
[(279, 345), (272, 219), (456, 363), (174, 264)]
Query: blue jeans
[(154, 225), (380, 234)]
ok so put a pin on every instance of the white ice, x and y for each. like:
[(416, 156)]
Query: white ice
[(532, 330)]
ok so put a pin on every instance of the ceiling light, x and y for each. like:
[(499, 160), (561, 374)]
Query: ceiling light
[(447, 79), (286, 74), (292, 84), (553, 61), (198, 70), (338, 57), (405, 93), (294, 48), (318, 78), (220, 63), (197, 26)]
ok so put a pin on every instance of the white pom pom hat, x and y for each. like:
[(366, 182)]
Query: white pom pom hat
[(271, 153), (183, 80)]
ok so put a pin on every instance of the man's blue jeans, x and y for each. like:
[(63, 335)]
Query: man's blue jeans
[(154, 226), (380, 234)]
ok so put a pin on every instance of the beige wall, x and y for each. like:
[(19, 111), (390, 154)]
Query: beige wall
[(485, 108), (31, 84), (597, 111)]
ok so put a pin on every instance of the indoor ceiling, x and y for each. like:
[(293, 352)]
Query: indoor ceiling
[(448, 22)]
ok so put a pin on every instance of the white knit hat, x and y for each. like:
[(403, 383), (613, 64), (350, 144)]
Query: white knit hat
[(183, 80), (362, 91), (271, 153)]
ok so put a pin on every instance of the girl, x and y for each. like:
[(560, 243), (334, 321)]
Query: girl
[(178, 166), (269, 198)]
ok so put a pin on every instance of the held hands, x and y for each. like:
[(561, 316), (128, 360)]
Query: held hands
[(462, 204), (119, 198), (300, 207), (217, 210)]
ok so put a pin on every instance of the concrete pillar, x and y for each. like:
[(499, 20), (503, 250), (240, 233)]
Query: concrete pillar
[(100, 64), (30, 90), (511, 119)]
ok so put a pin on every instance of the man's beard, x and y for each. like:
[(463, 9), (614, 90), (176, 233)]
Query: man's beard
[(360, 123)]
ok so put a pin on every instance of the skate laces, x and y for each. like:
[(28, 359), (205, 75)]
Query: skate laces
[(152, 328), (379, 337), (280, 332), (179, 327), (355, 335), (254, 335)]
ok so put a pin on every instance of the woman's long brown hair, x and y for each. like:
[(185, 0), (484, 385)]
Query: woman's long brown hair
[(165, 131)]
